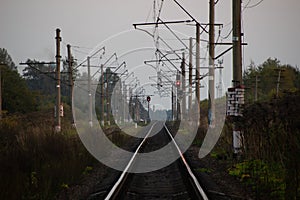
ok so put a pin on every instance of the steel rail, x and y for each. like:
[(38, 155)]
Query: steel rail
[(121, 178), (196, 182)]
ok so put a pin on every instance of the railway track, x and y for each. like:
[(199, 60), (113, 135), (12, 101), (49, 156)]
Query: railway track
[(176, 181)]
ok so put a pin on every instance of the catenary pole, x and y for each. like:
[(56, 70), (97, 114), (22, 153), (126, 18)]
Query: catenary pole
[(70, 64), (236, 40), (89, 92), (237, 69), (58, 97), (102, 96), (1, 90), (183, 109), (211, 83), (190, 75), (198, 68)]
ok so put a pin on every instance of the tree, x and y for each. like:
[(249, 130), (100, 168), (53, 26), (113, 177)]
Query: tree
[(6, 59), (40, 77), (15, 94)]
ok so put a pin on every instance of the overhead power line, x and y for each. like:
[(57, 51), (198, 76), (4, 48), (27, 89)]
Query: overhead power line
[(227, 36), (254, 5)]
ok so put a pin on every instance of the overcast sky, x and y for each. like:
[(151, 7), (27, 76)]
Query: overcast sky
[(272, 29)]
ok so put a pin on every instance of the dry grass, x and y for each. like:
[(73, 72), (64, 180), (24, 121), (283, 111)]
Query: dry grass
[(36, 162)]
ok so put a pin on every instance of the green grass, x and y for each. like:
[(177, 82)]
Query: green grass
[(266, 179), (204, 170)]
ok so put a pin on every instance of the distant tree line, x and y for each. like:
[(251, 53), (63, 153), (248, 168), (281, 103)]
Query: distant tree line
[(263, 80)]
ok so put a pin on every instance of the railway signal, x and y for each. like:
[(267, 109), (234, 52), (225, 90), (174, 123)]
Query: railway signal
[(148, 99), (178, 82)]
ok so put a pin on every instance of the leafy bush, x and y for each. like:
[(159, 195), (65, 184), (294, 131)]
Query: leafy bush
[(266, 179)]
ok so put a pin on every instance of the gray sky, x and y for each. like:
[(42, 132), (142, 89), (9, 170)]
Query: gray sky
[(272, 29)]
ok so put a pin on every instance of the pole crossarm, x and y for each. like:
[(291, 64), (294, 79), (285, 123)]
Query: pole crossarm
[(214, 24), (162, 23), (227, 43), (227, 50), (160, 60), (37, 63)]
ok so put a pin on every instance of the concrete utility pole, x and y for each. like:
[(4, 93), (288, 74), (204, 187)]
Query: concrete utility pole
[(137, 104), (178, 87), (102, 97), (198, 68), (278, 81), (237, 68), (131, 109), (89, 92), (124, 101), (220, 84), (236, 40), (58, 102), (183, 112), (211, 83), (190, 75), (1, 91), (108, 99), (70, 63), (173, 99), (178, 109)]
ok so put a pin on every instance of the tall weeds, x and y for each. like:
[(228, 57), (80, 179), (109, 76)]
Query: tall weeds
[(36, 162), (272, 137)]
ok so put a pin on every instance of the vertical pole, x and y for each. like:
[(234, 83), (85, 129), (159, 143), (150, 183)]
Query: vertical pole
[(237, 68), (58, 120), (198, 68), (70, 63), (173, 104), (118, 98), (220, 86), (190, 75), (148, 118), (102, 97), (278, 83), (177, 107), (177, 96), (135, 108), (107, 99), (172, 117), (211, 91), (131, 111), (236, 40), (183, 112), (0, 92), (138, 109), (125, 101), (256, 80), (90, 93)]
